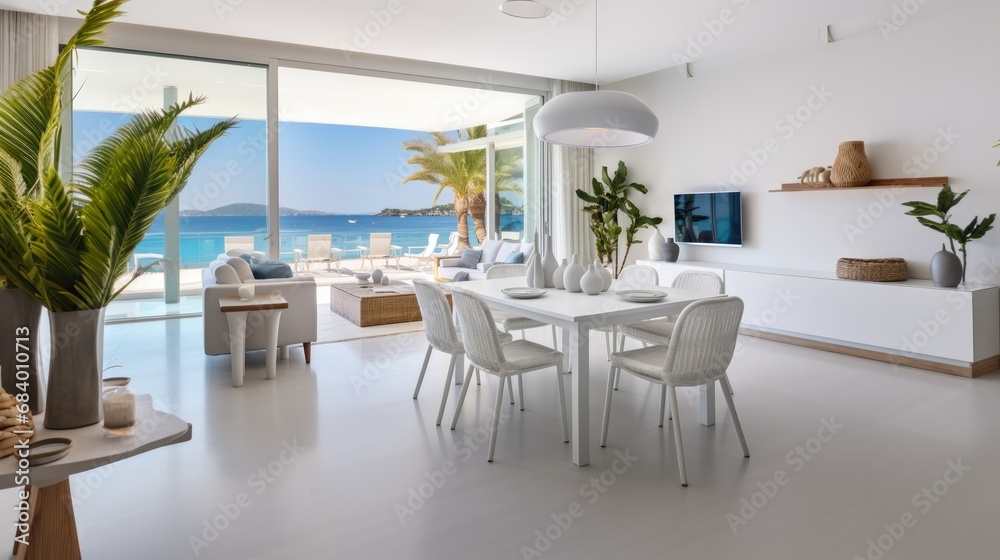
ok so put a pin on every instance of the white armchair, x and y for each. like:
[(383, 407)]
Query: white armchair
[(296, 326)]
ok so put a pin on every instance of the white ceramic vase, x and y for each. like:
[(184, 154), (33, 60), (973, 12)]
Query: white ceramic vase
[(572, 275), (529, 276), (655, 245), (377, 276), (591, 282), (549, 263), (557, 276), (606, 276)]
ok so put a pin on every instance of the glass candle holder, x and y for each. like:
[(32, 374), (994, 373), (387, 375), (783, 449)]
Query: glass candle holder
[(118, 407), (246, 292)]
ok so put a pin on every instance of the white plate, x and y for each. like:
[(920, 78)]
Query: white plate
[(641, 296), (523, 293)]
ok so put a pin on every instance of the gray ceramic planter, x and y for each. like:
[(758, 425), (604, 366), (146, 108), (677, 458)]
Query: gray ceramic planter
[(74, 398)]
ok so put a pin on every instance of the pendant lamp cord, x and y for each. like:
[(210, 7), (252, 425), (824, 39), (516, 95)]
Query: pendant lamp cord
[(597, 85)]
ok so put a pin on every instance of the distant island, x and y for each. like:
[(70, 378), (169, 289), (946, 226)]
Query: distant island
[(247, 209), (506, 207)]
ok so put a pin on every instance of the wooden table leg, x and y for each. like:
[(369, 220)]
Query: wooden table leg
[(52, 526)]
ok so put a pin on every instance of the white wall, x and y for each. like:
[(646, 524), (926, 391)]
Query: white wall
[(939, 71)]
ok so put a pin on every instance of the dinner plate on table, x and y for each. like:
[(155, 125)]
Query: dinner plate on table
[(641, 296), (523, 293)]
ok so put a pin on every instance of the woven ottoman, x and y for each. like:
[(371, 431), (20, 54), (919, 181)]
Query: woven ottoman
[(364, 307)]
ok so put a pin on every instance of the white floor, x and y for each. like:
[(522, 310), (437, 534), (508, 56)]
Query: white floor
[(363, 449)]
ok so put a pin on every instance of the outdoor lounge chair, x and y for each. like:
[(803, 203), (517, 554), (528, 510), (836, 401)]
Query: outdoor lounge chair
[(425, 254), (380, 247), (319, 249)]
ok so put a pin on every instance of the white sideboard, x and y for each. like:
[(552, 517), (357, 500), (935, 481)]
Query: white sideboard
[(912, 323)]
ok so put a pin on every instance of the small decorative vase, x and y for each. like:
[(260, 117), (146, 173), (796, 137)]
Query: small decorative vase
[(549, 263), (557, 276), (529, 275), (572, 275), (851, 168), (75, 366), (671, 250), (377, 276), (385, 280), (606, 277), (591, 282), (946, 269), (655, 247), (19, 364)]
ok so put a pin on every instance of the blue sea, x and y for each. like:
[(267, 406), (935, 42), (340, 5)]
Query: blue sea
[(203, 237)]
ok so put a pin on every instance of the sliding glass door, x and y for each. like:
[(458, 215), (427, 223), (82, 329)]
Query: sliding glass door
[(226, 195)]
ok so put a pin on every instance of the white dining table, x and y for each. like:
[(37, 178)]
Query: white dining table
[(577, 314)]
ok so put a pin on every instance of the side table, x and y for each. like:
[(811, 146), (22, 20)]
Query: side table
[(50, 516), (236, 310)]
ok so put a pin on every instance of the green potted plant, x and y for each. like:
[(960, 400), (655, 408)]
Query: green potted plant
[(609, 198), (946, 200), (65, 241)]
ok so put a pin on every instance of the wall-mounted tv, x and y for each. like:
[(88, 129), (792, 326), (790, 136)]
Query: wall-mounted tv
[(708, 218)]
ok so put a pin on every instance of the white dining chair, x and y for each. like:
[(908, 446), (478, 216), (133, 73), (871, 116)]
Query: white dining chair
[(507, 321), (658, 331), (442, 335), (699, 353), (485, 352), (633, 274)]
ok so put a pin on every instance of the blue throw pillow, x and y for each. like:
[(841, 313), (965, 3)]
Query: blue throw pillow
[(470, 258), (271, 270), (251, 260), (514, 258)]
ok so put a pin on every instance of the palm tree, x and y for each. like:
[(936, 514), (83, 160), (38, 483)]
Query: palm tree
[(465, 174)]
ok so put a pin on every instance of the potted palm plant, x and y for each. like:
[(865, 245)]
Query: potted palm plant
[(611, 197), (66, 241)]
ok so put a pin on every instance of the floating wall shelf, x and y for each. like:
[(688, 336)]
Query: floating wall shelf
[(906, 182)]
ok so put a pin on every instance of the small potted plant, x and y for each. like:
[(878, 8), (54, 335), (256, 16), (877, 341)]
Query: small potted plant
[(946, 200)]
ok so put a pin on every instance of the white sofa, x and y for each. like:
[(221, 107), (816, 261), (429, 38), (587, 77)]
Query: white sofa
[(297, 325), (494, 252)]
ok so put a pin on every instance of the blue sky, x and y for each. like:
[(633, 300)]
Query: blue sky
[(331, 168)]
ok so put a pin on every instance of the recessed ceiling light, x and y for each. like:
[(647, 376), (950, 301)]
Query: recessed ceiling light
[(527, 9)]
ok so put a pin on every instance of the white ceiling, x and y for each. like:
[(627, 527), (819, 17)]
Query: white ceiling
[(637, 36)]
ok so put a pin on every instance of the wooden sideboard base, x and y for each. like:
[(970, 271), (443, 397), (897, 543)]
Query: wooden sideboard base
[(52, 530), (974, 369)]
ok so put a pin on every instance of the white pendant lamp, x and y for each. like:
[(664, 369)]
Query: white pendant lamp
[(596, 119), (526, 9)]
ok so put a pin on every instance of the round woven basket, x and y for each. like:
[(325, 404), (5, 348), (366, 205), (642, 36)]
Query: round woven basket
[(873, 270)]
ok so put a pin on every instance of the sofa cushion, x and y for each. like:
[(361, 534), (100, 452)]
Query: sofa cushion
[(241, 267), (224, 274), (271, 270), (251, 260), (527, 249), (490, 248), (507, 249), (514, 258), (470, 258)]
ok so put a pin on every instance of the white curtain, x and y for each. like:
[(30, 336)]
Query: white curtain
[(571, 169), (28, 43)]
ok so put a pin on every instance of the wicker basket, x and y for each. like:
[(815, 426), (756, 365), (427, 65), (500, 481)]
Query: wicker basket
[(872, 270)]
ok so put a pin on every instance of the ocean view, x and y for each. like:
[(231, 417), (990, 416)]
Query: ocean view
[(202, 238)]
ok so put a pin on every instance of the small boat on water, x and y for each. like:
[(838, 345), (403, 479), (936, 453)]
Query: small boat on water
[(352, 221), (402, 215)]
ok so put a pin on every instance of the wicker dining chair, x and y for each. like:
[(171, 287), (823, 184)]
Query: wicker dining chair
[(442, 334), (485, 352), (700, 351)]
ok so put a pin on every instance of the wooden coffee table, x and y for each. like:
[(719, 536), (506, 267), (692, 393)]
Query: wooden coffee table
[(359, 304)]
